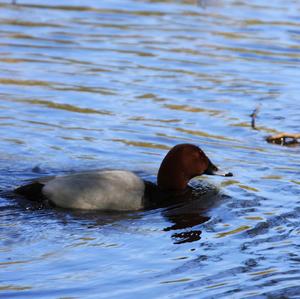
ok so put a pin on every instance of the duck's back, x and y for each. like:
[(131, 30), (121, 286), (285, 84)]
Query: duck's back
[(99, 190)]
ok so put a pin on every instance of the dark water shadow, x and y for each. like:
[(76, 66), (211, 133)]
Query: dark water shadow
[(183, 222), (185, 218)]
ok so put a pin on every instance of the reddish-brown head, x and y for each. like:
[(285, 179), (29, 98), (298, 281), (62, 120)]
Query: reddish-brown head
[(181, 164)]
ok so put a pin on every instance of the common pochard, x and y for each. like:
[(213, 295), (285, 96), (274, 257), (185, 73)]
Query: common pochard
[(123, 190)]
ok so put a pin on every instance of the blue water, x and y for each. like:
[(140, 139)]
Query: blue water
[(96, 84)]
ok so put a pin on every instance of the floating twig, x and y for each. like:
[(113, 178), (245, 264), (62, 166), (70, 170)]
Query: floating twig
[(284, 138), (253, 116)]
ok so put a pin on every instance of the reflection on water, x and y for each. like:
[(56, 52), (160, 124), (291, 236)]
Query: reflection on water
[(115, 84)]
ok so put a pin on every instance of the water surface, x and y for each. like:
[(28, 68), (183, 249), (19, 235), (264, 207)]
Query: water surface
[(89, 84)]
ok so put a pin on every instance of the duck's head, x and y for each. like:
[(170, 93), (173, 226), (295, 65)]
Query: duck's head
[(182, 163)]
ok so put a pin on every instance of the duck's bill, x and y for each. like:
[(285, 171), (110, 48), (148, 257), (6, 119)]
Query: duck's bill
[(213, 170)]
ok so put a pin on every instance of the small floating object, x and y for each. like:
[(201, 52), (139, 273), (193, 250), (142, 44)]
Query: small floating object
[(253, 116), (286, 139)]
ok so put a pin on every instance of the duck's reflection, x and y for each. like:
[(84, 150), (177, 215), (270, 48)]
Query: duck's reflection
[(186, 221), (185, 218)]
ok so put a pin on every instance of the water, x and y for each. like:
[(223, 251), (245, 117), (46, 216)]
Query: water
[(93, 84)]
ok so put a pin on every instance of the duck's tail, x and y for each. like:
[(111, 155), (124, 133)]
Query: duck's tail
[(32, 191)]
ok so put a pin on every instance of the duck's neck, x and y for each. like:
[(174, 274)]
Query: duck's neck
[(171, 177), (156, 197)]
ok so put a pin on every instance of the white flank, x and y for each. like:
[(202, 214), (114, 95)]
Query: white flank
[(101, 190)]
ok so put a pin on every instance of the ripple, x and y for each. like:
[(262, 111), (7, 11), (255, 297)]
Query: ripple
[(234, 231), (115, 84)]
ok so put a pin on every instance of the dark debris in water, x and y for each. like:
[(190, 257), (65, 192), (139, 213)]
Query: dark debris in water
[(253, 116), (285, 139)]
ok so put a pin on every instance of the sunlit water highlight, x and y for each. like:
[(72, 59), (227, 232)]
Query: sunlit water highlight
[(93, 84)]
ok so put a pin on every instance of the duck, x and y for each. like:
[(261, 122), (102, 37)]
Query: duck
[(123, 190)]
